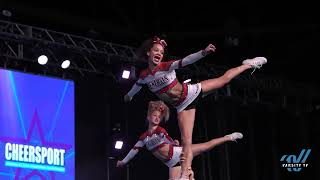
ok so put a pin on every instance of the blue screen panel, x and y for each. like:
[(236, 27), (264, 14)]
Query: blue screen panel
[(36, 127)]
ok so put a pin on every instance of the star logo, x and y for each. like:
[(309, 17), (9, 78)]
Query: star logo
[(35, 126)]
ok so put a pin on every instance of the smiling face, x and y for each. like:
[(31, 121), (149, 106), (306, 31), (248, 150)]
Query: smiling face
[(155, 54), (154, 118)]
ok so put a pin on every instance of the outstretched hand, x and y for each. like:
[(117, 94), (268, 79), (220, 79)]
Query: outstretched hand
[(209, 49), (127, 98), (120, 164)]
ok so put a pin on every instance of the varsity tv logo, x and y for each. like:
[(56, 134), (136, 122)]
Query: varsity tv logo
[(294, 163)]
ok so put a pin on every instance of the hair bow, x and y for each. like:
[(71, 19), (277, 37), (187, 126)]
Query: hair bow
[(157, 40), (161, 108)]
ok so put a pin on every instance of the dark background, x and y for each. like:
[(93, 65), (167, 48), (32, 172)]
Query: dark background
[(287, 34)]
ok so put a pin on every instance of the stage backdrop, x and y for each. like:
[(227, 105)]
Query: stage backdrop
[(36, 127)]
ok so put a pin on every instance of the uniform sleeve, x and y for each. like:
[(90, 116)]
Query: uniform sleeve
[(136, 87), (134, 151), (192, 58)]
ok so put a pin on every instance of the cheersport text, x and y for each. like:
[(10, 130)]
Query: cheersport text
[(34, 154)]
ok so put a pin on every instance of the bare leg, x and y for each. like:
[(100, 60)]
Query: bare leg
[(200, 148), (207, 146), (216, 83), (186, 123), (174, 173)]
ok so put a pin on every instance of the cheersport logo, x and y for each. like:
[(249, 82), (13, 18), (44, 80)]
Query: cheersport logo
[(296, 164), (34, 157)]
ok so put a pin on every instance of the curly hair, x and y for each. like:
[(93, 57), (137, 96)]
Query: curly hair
[(161, 107), (141, 51)]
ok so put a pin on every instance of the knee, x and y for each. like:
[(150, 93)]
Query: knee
[(185, 141), (186, 138)]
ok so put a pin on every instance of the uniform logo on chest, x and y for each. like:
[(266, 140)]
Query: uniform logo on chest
[(158, 82), (154, 140)]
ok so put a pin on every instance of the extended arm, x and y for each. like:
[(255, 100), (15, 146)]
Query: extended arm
[(192, 58), (134, 90), (133, 152)]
